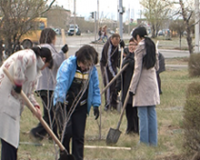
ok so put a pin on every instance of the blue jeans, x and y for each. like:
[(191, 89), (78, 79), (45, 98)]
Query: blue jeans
[(148, 125)]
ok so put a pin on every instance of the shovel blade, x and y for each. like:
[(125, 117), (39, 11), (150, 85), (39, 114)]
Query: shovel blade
[(65, 156), (113, 136)]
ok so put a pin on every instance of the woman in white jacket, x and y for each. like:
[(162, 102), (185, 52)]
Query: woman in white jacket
[(24, 66), (144, 87)]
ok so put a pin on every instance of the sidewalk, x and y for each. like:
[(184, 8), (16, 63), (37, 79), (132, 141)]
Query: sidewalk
[(176, 66)]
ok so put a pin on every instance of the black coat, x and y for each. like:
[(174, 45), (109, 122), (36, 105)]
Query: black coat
[(125, 79), (161, 63)]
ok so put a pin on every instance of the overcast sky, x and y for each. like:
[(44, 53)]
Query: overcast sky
[(107, 8)]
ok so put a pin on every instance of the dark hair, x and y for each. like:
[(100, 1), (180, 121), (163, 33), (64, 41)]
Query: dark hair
[(149, 59), (140, 31), (115, 35), (87, 55), (44, 52), (47, 35), (131, 40)]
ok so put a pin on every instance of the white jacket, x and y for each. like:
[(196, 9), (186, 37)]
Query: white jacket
[(48, 79), (24, 67)]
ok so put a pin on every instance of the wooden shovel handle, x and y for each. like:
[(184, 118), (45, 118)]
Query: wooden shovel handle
[(32, 108), (116, 76), (121, 57), (123, 108)]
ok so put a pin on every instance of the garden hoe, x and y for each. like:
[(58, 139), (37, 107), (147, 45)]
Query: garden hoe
[(113, 134), (64, 155)]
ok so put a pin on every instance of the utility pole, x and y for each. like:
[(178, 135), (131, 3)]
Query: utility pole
[(196, 26), (95, 25), (74, 17), (129, 18), (98, 14), (121, 11)]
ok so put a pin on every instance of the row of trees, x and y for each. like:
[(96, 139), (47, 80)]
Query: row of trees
[(157, 11), (16, 19)]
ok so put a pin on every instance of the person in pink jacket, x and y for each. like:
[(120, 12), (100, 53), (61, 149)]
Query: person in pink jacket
[(144, 86), (47, 82), (25, 67)]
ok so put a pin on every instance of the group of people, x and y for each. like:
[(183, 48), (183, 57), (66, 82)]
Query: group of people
[(69, 88), (59, 83), (138, 80), (102, 34)]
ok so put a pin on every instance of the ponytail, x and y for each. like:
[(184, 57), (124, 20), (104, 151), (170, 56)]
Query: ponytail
[(44, 52), (36, 50), (149, 60)]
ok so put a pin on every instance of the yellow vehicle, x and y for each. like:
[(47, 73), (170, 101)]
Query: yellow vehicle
[(32, 36)]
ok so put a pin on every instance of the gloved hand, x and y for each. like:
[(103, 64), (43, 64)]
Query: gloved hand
[(65, 48), (17, 88), (96, 112), (131, 94), (122, 44)]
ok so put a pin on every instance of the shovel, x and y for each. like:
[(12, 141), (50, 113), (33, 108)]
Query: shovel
[(114, 134), (64, 155), (120, 95), (116, 76)]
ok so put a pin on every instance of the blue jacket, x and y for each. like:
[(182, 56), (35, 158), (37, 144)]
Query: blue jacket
[(64, 78)]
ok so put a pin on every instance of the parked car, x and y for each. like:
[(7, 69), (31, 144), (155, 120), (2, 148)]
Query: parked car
[(70, 32), (58, 31), (160, 33)]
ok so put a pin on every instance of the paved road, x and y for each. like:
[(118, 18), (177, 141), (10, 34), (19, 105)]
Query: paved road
[(75, 42)]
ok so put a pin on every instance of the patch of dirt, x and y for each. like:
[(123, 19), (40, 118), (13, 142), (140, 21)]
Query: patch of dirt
[(173, 157)]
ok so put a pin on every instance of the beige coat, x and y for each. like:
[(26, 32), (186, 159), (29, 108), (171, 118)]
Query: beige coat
[(23, 66), (144, 82)]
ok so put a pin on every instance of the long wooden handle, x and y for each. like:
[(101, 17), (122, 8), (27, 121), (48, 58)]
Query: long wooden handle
[(32, 108), (123, 108), (64, 40)]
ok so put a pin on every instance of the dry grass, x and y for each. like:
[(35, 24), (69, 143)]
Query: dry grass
[(170, 134), (174, 43)]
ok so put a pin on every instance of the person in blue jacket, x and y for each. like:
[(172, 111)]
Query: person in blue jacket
[(77, 82)]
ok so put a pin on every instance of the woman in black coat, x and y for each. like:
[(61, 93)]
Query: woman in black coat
[(123, 83), (161, 69)]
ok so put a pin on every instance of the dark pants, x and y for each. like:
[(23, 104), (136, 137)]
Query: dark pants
[(76, 130), (159, 83), (132, 119), (47, 101), (111, 92), (8, 152)]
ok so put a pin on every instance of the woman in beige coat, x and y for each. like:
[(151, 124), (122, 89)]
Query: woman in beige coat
[(25, 67), (144, 87)]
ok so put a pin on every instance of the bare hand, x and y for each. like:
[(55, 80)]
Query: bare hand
[(38, 113)]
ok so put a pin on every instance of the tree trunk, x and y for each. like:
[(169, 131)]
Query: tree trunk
[(8, 47), (188, 29), (189, 40), (153, 31), (1, 52)]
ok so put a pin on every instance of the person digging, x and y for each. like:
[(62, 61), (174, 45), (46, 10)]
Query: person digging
[(77, 89)]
